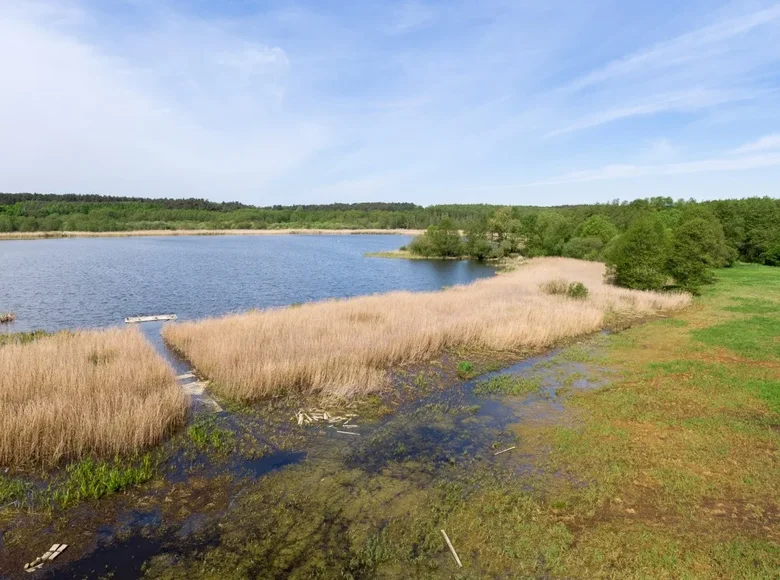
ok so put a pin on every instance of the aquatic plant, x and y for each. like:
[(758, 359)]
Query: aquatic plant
[(330, 348), (92, 479), (464, 369), (79, 394), (507, 385)]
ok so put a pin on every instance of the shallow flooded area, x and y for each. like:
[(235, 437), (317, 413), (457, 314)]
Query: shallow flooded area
[(248, 491)]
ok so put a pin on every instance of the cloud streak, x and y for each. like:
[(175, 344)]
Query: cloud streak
[(612, 172)]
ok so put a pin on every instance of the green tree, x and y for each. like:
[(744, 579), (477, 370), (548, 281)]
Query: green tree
[(476, 245), (552, 231), (442, 241), (698, 245), (638, 258), (583, 248), (597, 226)]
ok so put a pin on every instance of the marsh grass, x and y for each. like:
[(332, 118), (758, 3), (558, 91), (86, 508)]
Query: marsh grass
[(207, 435), (92, 479), (22, 337), (507, 385), (74, 395), (341, 348)]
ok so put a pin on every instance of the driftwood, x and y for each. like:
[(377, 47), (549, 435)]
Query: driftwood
[(333, 419), (38, 563), (505, 450), (454, 553)]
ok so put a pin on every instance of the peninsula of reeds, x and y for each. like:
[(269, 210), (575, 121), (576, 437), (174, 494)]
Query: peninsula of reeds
[(72, 395), (344, 347)]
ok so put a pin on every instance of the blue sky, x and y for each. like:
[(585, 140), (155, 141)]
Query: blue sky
[(516, 102)]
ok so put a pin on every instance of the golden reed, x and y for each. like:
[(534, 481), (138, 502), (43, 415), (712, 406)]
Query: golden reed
[(344, 347), (89, 392)]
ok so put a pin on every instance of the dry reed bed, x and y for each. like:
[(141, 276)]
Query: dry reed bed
[(342, 348), (75, 394)]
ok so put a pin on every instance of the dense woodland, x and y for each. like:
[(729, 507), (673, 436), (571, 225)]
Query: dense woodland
[(717, 232)]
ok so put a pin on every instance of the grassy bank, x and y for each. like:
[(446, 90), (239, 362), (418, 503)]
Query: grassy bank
[(216, 232), (344, 347), (72, 395)]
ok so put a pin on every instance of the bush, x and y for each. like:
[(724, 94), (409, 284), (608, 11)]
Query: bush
[(464, 369), (562, 287), (577, 290), (421, 246), (558, 286)]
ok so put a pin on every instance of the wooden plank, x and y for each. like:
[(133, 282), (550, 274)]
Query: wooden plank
[(154, 318)]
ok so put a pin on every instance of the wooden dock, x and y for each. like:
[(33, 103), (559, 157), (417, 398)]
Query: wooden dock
[(156, 318)]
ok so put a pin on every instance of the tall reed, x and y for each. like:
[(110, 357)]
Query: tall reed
[(70, 395), (344, 347)]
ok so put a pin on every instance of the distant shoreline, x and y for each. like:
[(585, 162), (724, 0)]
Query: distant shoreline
[(149, 233)]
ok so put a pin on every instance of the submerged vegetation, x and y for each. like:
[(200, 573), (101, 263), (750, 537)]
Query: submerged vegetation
[(75, 394), (506, 385), (344, 348)]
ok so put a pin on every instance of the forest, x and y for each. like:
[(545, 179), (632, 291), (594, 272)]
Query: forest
[(736, 229)]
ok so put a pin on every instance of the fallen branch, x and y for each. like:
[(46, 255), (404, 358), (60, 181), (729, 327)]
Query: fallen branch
[(454, 553)]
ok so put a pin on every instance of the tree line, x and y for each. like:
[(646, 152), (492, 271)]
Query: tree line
[(750, 227), (648, 245)]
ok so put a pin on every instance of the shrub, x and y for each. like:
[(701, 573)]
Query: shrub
[(577, 290), (561, 287), (558, 286), (464, 369)]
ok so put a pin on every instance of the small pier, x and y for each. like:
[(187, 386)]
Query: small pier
[(154, 318)]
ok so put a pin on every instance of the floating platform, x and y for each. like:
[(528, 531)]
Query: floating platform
[(158, 317)]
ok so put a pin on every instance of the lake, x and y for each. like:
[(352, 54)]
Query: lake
[(95, 282)]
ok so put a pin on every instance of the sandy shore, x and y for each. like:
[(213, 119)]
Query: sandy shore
[(312, 232)]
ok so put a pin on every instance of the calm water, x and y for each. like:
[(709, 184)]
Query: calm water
[(92, 282)]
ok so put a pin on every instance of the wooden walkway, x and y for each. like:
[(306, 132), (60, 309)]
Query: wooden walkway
[(196, 390)]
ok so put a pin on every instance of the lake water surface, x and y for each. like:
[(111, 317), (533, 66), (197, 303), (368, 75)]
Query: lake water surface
[(94, 282)]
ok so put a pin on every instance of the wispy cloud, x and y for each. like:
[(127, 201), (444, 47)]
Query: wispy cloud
[(686, 101), (409, 16), (765, 143), (678, 50), (612, 172)]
